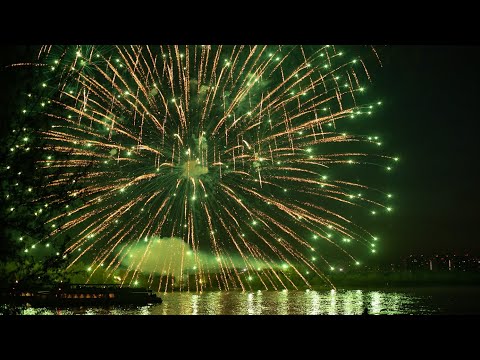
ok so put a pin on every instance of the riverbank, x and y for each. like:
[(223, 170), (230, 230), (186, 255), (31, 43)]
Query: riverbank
[(368, 280), (371, 280)]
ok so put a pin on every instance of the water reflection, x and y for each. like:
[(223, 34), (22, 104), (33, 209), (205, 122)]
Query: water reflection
[(376, 303), (282, 305), (195, 304), (341, 302), (312, 305)]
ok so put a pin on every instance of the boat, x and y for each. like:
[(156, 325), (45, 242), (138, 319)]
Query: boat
[(80, 295)]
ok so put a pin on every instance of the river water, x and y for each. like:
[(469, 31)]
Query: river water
[(416, 301)]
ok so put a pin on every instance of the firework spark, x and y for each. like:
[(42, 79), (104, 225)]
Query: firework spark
[(235, 150)]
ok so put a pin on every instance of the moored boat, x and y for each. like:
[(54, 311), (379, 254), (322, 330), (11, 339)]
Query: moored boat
[(79, 294)]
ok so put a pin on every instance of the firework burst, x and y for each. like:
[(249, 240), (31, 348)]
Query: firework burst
[(221, 164)]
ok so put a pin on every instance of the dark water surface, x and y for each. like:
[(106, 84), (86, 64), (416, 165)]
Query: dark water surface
[(416, 301)]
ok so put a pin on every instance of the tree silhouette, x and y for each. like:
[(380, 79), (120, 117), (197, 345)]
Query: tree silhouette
[(27, 253)]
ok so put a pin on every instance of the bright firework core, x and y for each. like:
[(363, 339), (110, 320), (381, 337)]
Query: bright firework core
[(193, 169)]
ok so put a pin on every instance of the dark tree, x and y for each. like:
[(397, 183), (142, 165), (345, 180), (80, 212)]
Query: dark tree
[(27, 253)]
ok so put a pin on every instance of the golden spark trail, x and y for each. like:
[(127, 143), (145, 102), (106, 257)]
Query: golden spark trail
[(208, 166)]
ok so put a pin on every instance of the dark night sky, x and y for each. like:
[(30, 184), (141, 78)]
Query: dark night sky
[(430, 96)]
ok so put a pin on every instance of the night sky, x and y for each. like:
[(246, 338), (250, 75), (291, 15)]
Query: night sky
[(430, 96)]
